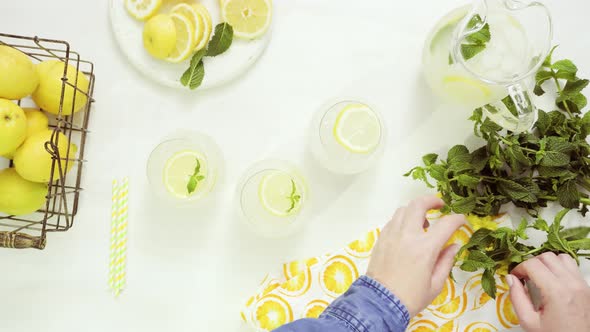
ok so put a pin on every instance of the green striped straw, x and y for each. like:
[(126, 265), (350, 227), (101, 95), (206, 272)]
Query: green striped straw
[(121, 247)]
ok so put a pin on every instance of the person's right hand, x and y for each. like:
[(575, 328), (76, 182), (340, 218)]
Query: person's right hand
[(565, 295)]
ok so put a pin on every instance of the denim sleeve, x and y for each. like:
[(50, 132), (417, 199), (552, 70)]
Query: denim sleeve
[(366, 307)]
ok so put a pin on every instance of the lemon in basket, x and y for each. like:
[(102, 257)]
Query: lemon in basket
[(249, 18), (159, 36), (33, 162), (48, 93), (13, 127), (18, 77), (37, 121), (18, 196)]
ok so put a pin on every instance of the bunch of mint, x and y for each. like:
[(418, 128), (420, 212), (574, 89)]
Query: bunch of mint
[(549, 163)]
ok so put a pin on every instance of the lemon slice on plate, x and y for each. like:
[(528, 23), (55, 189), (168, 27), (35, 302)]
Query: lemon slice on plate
[(185, 37), (275, 193), (196, 19), (178, 170), (208, 25), (142, 9), (357, 128), (249, 18)]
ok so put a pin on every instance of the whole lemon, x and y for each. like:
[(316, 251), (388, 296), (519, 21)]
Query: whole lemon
[(48, 93), (13, 127), (159, 36), (33, 162), (19, 196), (36, 121), (18, 77)]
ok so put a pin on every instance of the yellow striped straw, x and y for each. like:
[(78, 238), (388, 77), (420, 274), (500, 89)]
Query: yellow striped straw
[(121, 252), (113, 246)]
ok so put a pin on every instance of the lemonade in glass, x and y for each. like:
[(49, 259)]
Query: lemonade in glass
[(347, 137), (272, 196), (184, 168)]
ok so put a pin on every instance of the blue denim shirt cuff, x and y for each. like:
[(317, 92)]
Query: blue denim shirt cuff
[(368, 306)]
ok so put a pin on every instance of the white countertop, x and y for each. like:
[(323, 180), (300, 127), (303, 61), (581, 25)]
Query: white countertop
[(191, 270)]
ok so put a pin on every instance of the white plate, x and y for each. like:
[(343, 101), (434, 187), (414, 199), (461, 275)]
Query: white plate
[(218, 70)]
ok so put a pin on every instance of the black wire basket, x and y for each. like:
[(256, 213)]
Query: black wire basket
[(61, 204)]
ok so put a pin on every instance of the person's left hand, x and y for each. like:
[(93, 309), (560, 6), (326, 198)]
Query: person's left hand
[(411, 262)]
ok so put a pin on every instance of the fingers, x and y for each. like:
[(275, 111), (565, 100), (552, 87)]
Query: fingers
[(442, 231), (555, 265), (443, 267), (569, 263), (416, 212), (395, 223), (539, 273), (529, 318)]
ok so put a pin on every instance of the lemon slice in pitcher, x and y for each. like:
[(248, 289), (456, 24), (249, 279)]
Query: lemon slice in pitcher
[(143, 9), (357, 128), (277, 191), (463, 88), (185, 37), (178, 170), (249, 18)]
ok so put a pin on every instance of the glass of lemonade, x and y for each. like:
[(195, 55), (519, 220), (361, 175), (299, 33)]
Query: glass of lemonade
[(347, 136), (478, 55), (272, 196), (184, 168)]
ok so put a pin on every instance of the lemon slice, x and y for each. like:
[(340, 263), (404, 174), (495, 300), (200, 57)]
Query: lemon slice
[(185, 32), (249, 18), (208, 26), (275, 192), (465, 88), (357, 128), (178, 170), (142, 9), (196, 19)]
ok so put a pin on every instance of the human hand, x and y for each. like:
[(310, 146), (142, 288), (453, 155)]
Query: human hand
[(412, 263), (565, 295)]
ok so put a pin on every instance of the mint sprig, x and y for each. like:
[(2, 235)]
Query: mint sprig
[(475, 42), (195, 178), (294, 197), (219, 43)]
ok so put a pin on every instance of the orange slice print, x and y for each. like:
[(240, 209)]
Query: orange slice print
[(272, 312), (337, 275), (315, 308), (422, 325), (298, 285), (446, 295), (505, 311), (363, 247), (480, 327), (292, 269), (452, 309)]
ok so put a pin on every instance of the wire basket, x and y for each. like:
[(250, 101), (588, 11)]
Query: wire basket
[(64, 192)]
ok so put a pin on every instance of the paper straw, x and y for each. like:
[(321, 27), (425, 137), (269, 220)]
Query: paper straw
[(113, 247), (121, 252)]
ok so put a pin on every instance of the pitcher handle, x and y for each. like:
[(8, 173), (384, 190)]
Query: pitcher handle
[(526, 112)]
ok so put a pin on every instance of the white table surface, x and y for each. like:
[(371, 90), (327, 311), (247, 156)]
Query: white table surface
[(192, 270)]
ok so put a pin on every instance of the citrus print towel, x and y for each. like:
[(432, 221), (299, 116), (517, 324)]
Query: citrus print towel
[(303, 289)]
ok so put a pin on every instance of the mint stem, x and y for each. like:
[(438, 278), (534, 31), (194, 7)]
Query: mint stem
[(560, 91)]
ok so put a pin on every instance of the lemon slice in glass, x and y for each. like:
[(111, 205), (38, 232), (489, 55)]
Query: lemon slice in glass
[(178, 170), (207, 26), (249, 18), (142, 9), (357, 128), (195, 17), (185, 32), (277, 192)]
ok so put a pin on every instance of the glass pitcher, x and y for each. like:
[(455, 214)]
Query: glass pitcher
[(486, 54)]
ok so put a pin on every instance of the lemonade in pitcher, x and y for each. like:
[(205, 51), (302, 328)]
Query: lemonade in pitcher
[(485, 55)]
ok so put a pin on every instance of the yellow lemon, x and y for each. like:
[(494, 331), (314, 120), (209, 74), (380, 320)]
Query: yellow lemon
[(159, 36), (196, 19), (18, 77), (207, 26), (275, 193), (13, 127), (19, 196), (185, 32), (357, 129), (37, 121), (249, 18), (33, 162), (142, 9), (48, 93)]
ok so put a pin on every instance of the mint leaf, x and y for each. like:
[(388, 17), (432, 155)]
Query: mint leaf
[(429, 159), (547, 62), (516, 191), (477, 40), (568, 195), (565, 66), (222, 39), (468, 180), (468, 51), (488, 282), (582, 244), (192, 185), (464, 205), (193, 76), (555, 159), (541, 225), (575, 233)]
